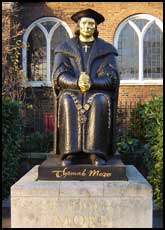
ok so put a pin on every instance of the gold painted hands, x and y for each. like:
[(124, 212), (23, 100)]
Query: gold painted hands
[(84, 82)]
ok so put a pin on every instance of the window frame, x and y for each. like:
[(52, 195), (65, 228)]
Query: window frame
[(140, 35), (48, 37)]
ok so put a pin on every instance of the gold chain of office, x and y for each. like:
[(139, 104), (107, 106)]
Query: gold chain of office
[(83, 109)]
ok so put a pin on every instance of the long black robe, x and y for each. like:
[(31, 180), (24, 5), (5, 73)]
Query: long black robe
[(86, 122)]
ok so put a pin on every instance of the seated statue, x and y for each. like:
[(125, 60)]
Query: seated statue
[(86, 83)]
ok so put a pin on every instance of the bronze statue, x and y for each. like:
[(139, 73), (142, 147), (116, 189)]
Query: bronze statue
[(86, 83)]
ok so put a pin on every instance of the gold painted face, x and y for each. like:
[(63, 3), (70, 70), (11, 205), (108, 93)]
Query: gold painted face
[(87, 27)]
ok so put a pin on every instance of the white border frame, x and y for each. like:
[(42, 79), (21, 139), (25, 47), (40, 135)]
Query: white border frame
[(48, 37), (140, 35)]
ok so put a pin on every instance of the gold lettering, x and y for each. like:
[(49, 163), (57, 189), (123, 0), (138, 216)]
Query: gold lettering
[(65, 172), (93, 172), (105, 174), (84, 172), (98, 173), (58, 173)]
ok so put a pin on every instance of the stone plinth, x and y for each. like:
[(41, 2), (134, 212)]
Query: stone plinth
[(80, 204)]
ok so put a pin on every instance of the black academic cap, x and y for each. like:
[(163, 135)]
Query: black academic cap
[(89, 13)]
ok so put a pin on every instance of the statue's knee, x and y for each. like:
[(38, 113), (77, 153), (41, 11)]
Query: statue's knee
[(67, 99), (101, 99)]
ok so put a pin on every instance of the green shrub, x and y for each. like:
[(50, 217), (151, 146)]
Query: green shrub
[(131, 149), (38, 142), (132, 152), (11, 135), (147, 123)]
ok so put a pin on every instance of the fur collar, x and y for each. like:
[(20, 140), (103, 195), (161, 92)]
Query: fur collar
[(99, 48)]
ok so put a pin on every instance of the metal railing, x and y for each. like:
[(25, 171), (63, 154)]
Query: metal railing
[(39, 120)]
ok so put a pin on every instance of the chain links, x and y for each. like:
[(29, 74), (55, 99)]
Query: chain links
[(83, 109)]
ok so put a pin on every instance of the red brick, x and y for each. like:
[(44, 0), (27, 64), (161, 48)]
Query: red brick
[(114, 13)]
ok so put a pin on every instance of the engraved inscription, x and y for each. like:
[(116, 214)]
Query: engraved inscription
[(65, 172), (81, 221), (78, 213), (98, 173), (91, 173)]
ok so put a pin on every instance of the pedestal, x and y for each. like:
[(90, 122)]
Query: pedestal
[(81, 204)]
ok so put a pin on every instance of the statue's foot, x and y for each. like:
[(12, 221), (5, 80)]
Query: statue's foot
[(99, 161), (83, 159), (67, 162), (76, 159)]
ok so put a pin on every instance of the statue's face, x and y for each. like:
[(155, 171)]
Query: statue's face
[(87, 27)]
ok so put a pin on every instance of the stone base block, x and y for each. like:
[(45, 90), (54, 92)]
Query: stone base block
[(81, 204)]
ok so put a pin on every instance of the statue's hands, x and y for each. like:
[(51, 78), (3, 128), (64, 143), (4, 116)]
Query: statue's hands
[(84, 82)]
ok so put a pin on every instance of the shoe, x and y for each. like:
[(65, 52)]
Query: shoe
[(99, 161), (66, 162)]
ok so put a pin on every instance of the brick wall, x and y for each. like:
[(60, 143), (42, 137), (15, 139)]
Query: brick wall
[(6, 23), (6, 29), (114, 13), (6, 5), (132, 94)]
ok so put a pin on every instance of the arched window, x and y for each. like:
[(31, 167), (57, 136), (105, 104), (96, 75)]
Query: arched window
[(139, 40), (39, 42)]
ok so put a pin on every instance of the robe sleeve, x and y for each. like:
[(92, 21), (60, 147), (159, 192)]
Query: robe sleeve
[(108, 77), (63, 74)]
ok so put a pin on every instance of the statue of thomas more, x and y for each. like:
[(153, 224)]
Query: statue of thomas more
[(86, 78)]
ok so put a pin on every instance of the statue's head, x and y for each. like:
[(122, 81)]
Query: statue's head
[(87, 21), (87, 26)]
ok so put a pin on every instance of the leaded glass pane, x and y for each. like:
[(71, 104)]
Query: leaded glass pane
[(48, 25), (60, 35), (128, 49), (36, 54), (153, 53), (140, 22)]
